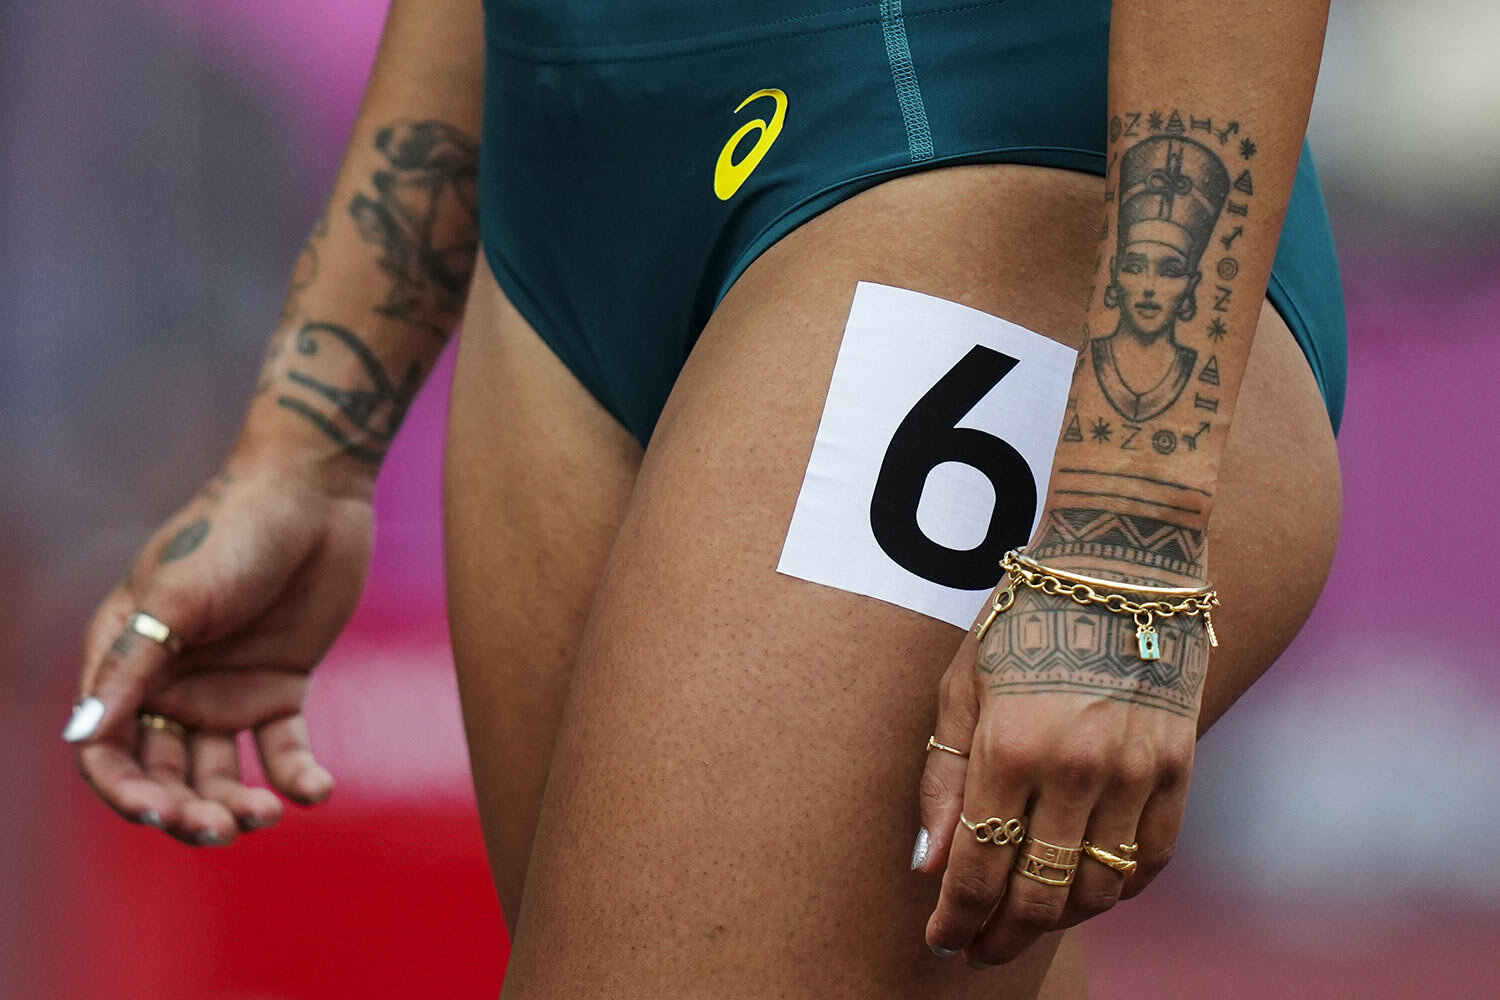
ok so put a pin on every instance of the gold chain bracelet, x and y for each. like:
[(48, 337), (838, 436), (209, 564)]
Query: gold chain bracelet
[(1021, 569)]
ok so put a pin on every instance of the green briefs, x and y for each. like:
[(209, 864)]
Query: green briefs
[(637, 155)]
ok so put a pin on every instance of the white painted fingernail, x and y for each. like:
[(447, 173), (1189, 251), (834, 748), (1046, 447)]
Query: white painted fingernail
[(208, 838), (943, 952), (87, 715), (919, 850), (150, 818)]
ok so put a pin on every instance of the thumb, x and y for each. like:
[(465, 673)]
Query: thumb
[(942, 787)]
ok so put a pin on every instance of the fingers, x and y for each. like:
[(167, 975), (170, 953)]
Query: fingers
[(216, 777), (187, 785), (1161, 820), (943, 775), (997, 900), (286, 755), (979, 860), (1043, 894), (1040, 877), (104, 628), (110, 767), (1097, 886), (166, 760)]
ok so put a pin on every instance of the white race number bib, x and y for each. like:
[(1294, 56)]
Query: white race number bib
[(932, 455)]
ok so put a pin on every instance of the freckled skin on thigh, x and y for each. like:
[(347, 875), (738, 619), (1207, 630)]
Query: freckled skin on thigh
[(733, 795)]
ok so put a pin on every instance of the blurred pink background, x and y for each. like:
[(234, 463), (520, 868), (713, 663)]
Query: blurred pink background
[(161, 162)]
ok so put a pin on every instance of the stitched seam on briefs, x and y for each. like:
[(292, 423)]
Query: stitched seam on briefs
[(542, 54), (904, 75)]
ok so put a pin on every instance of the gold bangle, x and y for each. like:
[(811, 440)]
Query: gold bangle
[(1021, 569), (1094, 581)]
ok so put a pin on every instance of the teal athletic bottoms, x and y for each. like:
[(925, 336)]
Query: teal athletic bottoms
[(622, 193)]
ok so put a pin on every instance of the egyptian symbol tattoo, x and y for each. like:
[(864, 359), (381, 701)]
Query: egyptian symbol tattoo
[(423, 219), (1172, 190), (361, 421)]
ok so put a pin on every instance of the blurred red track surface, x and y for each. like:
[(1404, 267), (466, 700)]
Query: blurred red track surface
[(353, 899), (363, 899)]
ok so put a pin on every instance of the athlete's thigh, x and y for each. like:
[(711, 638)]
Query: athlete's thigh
[(732, 804), (535, 482)]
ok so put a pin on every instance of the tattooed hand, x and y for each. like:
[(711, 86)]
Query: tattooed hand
[(1068, 729), (257, 575)]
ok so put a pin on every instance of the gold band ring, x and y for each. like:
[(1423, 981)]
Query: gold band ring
[(154, 629), (933, 744), (1124, 865), (995, 830), (150, 720), (1049, 864)]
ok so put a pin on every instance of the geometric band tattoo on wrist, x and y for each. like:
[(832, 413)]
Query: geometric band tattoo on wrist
[(1145, 541), (1049, 649)]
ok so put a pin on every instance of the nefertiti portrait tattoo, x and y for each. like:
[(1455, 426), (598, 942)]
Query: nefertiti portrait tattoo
[(1171, 192)]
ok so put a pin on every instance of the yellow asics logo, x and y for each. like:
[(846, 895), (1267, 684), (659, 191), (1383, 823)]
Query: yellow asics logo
[(728, 175)]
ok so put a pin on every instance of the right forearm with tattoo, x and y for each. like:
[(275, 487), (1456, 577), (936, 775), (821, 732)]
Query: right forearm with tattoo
[(1202, 154), (381, 281)]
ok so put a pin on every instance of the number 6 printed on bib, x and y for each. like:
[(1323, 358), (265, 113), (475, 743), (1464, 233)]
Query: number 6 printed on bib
[(932, 453)]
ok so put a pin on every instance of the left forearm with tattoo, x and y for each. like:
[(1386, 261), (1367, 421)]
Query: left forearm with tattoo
[(382, 278), (1208, 103)]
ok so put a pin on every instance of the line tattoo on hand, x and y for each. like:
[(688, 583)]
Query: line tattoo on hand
[(364, 421), (424, 219)]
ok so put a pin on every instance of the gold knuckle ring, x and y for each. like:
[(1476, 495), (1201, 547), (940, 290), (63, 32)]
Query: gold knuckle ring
[(1122, 862), (1049, 864), (933, 744), (995, 830), (154, 629), (150, 720)]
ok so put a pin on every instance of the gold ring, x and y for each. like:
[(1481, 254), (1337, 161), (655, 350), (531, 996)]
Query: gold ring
[(995, 830), (154, 629), (933, 744), (1123, 865), (1053, 864), (150, 720)]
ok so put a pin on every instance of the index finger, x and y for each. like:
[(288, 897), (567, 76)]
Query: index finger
[(103, 631), (112, 689), (945, 770)]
